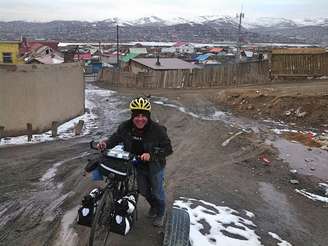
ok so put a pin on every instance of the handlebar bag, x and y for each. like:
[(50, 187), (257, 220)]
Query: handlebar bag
[(110, 165)]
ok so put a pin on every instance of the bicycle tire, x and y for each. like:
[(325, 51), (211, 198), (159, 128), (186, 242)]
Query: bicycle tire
[(100, 228), (177, 228)]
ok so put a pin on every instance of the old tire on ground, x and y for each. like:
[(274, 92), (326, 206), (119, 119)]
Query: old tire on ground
[(177, 228)]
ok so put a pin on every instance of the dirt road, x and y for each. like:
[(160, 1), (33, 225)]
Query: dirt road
[(42, 184)]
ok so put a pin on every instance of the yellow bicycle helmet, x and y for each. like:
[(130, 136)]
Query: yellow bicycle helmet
[(140, 103)]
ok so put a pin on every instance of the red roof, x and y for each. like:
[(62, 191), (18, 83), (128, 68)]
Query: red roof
[(52, 44), (83, 56), (28, 46), (180, 43), (215, 50)]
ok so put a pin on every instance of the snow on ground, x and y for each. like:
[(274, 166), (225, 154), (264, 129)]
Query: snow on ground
[(249, 214), (220, 225), (281, 242), (312, 196), (217, 225), (66, 130)]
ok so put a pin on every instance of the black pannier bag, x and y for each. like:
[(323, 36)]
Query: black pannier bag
[(88, 208), (111, 165), (122, 215)]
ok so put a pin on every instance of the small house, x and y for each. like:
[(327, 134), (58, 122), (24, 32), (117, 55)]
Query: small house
[(159, 64), (9, 52), (182, 47)]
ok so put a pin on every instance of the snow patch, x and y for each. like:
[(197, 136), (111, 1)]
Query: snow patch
[(312, 196), (217, 225), (249, 214), (281, 242)]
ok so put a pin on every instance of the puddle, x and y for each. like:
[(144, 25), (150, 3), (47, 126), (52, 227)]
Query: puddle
[(211, 113), (306, 162), (67, 235), (282, 211), (277, 201), (51, 173)]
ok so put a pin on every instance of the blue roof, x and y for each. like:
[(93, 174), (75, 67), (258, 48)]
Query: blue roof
[(203, 57)]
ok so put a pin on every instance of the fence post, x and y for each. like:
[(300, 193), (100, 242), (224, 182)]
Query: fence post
[(78, 127), (2, 132), (29, 132), (54, 129)]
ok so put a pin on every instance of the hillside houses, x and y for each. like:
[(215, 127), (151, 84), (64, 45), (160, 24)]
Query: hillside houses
[(180, 47)]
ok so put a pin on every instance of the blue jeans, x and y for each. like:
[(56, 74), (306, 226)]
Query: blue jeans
[(96, 175), (151, 186)]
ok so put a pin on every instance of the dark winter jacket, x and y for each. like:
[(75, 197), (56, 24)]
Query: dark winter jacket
[(155, 141)]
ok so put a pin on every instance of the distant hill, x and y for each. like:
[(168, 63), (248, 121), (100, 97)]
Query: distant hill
[(201, 29)]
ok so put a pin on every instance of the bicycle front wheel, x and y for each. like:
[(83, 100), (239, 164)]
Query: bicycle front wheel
[(99, 233)]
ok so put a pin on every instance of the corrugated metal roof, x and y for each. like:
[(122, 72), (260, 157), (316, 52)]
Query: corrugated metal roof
[(138, 50), (129, 56), (165, 63)]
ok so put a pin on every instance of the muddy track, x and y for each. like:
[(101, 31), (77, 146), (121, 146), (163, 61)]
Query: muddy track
[(42, 184)]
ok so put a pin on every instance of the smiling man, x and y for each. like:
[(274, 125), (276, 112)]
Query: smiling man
[(149, 140)]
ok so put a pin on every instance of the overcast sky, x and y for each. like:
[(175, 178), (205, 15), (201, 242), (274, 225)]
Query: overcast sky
[(91, 10)]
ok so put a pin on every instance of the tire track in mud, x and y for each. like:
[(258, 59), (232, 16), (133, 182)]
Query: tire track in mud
[(34, 210)]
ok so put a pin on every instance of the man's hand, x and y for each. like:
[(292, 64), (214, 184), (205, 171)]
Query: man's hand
[(145, 157), (101, 145)]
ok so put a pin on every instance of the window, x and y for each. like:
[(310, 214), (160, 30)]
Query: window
[(7, 58)]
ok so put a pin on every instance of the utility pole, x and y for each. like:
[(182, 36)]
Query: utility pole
[(117, 48), (241, 15), (100, 53)]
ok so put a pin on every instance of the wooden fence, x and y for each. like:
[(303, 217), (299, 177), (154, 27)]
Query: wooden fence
[(228, 74), (299, 65)]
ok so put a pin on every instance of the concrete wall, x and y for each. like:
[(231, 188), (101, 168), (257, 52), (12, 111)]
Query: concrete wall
[(39, 94)]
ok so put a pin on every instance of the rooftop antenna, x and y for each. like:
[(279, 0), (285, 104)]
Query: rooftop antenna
[(241, 15)]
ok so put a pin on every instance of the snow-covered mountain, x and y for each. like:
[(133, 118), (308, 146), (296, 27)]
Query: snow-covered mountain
[(154, 20), (221, 20), (200, 29), (270, 22), (312, 22)]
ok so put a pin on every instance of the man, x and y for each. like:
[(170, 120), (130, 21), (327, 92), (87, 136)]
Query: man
[(149, 140)]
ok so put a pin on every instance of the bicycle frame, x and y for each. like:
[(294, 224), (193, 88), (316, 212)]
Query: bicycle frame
[(114, 189)]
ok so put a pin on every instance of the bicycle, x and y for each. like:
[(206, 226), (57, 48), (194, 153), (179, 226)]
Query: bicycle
[(119, 182)]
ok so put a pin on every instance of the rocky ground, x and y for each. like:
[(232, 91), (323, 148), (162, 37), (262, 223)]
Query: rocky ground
[(233, 148)]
